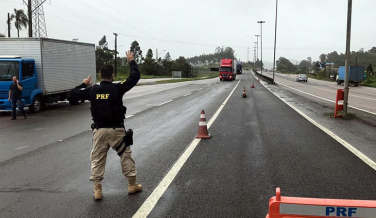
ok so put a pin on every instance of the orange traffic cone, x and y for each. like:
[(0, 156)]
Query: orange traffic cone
[(253, 85), (244, 94), (202, 127)]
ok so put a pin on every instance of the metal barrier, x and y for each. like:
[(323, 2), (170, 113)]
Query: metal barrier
[(294, 207), (266, 78)]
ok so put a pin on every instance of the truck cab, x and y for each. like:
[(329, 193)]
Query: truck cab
[(25, 71), (227, 71)]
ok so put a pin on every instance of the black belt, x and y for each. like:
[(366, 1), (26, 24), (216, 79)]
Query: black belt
[(99, 126)]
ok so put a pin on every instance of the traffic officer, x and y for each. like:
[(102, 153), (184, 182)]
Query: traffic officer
[(108, 115)]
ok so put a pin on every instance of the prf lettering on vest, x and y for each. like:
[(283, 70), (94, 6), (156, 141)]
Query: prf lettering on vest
[(341, 211), (102, 96)]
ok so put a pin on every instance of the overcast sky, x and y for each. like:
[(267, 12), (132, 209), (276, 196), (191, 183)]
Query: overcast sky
[(306, 28)]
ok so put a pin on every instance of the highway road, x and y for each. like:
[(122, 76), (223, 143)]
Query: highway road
[(258, 143), (361, 97)]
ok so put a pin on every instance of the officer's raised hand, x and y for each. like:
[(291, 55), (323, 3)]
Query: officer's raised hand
[(87, 81), (130, 56)]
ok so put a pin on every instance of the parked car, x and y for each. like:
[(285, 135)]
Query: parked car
[(302, 77)]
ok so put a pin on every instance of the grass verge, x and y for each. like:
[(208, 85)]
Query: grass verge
[(185, 79), (123, 77)]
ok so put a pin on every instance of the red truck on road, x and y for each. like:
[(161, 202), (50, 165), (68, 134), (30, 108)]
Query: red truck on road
[(227, 69)]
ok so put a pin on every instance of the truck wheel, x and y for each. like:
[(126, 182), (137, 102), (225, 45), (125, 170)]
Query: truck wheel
[(36, 106), (74, 102)]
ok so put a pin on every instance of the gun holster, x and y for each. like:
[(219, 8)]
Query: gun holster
[(128, 138)]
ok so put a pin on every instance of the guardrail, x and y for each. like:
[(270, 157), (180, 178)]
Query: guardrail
[(266, 78)]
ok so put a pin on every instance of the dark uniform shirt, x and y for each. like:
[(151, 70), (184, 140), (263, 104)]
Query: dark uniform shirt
[(16, 92), (82, 92)]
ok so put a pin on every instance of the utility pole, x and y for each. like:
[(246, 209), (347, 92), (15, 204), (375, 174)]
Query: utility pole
[(275, 35), (8, 25), (257, 45), (348, 40), (156, 54), (29, 12), (261, 22), (254, 57), (248, 54), (115, 53), (254, 63)]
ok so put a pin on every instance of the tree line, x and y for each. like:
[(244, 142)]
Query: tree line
[(333, 59), (156, 66)]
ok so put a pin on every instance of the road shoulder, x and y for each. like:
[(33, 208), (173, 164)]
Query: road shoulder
[(358, 130)]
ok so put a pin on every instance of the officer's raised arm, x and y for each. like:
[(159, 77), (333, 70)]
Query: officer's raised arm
[(82, 92), (133, 78)]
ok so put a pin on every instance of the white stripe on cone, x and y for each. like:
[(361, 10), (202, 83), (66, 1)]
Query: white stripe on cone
[(202, 124), (202, 116)]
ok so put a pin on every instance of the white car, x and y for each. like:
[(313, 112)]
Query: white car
[(302, 77)]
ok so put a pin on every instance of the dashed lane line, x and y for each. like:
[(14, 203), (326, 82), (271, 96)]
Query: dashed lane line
[(323, 98), (164, 103)]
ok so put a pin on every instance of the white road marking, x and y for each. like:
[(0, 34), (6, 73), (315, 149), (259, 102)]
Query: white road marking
[(23, 147), (325, 98), (164, 103), (152, 200), (129, 116), (187, 94), (335, 91), (347, 145), (200, 89)]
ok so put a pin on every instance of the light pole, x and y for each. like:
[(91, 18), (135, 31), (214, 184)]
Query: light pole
[(257, 46), (348, 40), (261, 22), (115, 53), (275, 35), (160, 54), (254, 64)]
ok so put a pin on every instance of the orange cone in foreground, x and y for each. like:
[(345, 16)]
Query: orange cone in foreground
[(253, 85), (202, 127), (244, 94)]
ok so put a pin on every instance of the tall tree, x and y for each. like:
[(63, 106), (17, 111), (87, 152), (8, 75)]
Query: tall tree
[(284, 64), (149, 54), (323, 58), (136, 49), (103, 43), (20, 20), (167, 56)]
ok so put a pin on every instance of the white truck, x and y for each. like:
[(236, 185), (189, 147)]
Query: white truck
[(47, 68)]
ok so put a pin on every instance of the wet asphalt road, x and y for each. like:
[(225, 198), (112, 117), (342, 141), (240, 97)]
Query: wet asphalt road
[(361, 97), (257, 144)]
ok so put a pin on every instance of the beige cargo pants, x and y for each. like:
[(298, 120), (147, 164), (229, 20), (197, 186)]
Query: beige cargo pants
[(103, 139)]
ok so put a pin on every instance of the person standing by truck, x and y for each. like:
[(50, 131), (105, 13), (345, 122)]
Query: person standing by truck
[(15, 96), (108, 115)]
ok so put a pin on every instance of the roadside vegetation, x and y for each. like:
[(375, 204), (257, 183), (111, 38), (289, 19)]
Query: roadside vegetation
[(327, 66), (194, 68)]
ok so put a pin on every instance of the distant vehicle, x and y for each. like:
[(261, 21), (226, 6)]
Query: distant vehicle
[(356, 75), (227, 69), (239, 67), (47, 68), (302, 77)]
